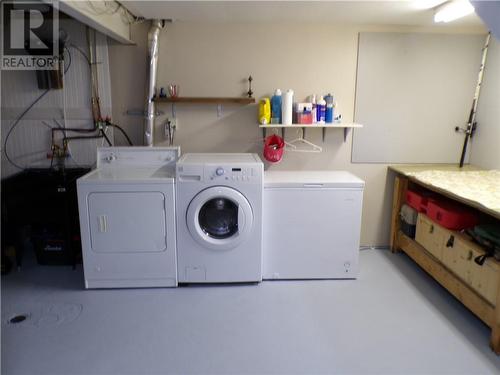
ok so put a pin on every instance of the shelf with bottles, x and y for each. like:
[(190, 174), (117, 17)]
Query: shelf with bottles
[(339, 125)]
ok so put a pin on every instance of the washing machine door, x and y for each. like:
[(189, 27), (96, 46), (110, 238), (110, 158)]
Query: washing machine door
[(219, 218)]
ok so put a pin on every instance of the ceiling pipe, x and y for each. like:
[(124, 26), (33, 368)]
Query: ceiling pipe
[(149, 118)]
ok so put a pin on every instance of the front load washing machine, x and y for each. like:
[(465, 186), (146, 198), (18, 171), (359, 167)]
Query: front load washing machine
[(219, 218)]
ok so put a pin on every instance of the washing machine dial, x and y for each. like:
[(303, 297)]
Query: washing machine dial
[(219, 171), (111, 158)]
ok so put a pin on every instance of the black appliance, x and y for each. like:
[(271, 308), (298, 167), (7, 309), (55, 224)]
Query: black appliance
[(40, 209)]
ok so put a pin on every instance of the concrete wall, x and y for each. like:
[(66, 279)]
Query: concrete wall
[(216, 59), (485, 148)]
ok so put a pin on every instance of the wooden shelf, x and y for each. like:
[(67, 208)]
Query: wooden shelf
[(205, 100)]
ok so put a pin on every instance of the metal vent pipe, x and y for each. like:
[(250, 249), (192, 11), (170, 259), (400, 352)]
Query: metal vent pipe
[(149, 118)]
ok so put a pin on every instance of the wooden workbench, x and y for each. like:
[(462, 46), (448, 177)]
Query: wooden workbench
[(488, 313)]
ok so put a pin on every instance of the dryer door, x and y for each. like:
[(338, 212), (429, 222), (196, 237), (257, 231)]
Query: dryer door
[(127, 222), (219, 218)]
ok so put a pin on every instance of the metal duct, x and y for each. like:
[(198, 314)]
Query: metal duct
[(149, 118)]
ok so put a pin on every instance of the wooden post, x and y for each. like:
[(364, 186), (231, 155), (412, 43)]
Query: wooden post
[(495, 328), (400, 186)]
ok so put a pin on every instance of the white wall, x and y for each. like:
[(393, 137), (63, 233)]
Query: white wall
[(30, 141), (128, 81), (485, 147), (215, 60)]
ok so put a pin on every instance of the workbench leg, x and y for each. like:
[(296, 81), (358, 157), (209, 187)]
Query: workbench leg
[(495, 330), (400, 186)]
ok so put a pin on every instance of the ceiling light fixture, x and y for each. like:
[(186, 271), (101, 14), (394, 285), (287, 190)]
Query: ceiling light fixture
[(452, 10), (427, 4)]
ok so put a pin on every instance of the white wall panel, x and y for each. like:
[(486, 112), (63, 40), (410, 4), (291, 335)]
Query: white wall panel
[(412, 90)]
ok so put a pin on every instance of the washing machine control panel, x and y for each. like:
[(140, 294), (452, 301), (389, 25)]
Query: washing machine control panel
[(230, 173)]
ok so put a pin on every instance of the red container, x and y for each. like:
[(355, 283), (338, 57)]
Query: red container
[(418, 200), (451, 215), (304, 118), (274, 146)]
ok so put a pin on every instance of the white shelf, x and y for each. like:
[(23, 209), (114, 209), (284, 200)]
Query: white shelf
[(308, 126), (346, 126)]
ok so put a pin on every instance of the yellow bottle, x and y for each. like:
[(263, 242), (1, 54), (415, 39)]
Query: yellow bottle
[(264, 111)]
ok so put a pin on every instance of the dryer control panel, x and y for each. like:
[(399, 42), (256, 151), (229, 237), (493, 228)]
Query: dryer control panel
[(136, 157)]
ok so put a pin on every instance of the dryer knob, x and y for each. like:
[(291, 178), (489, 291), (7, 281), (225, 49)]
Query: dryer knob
[(219, 171), (111, 157)]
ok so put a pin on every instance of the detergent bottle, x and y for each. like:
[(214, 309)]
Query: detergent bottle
[(264, 111), (329, 108), (287, 108), (314, 109), (276, 107), (320, 110)]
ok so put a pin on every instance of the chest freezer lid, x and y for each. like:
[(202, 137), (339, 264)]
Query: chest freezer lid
[(312, 179), (219, 158)]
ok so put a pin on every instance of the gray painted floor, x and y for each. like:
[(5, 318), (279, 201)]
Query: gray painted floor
[(393, 319)]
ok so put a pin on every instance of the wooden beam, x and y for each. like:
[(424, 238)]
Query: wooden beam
[(495, 329), (398, 198), (110, 24)]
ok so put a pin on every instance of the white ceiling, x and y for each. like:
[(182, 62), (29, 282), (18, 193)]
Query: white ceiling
[(393, 13)]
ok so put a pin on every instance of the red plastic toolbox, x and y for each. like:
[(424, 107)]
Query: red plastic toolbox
[(451, 215), (418, 200)]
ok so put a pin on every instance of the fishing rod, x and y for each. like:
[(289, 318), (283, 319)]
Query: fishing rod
[(471, 123)]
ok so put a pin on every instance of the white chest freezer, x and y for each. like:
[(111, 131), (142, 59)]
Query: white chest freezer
[(312, 223)]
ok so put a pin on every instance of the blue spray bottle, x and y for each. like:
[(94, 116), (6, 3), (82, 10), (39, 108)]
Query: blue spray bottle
[(329, 108), (320, 110), (276, 107)]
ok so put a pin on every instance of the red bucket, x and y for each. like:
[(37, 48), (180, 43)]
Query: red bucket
[(274, 146)]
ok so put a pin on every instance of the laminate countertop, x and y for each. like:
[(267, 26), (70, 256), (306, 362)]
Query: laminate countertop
[(471, 185)]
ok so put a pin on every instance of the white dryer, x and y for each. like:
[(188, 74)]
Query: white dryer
[(219, 218), (127, 218)]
